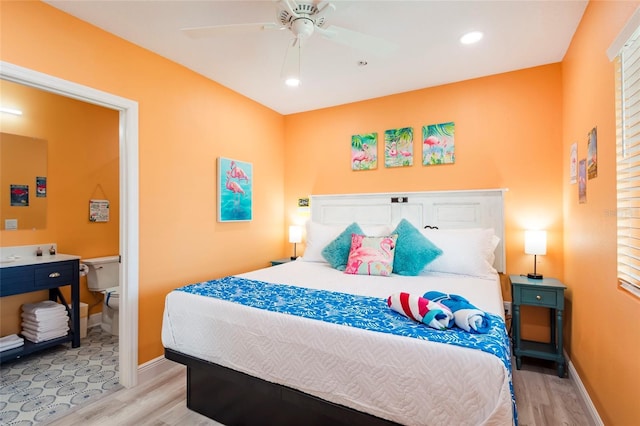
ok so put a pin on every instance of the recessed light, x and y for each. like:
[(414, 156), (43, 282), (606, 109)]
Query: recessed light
[(292, 82), (471, 37)]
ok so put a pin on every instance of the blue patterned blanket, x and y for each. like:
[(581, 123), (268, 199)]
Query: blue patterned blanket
[(364, 312)]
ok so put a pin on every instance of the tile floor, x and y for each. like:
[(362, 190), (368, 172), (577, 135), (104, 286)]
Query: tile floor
[(45, 386)]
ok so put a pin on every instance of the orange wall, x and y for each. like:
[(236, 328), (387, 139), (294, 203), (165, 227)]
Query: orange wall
[(185, 122), (507, 134), (604, 348), (82, 163)]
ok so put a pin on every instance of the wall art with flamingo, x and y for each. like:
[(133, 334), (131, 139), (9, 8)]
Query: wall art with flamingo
[(438, 144), (398, 147), (364, 151), (235, 190)]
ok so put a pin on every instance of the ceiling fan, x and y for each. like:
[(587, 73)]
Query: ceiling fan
[(302, 19)]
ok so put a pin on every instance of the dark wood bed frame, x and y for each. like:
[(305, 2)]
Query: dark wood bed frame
[(234, 398)]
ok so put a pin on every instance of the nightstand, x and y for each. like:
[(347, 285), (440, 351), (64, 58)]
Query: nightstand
[(280, 261), (545, 293)]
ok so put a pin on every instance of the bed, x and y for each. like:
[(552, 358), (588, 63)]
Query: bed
[(259, 355)]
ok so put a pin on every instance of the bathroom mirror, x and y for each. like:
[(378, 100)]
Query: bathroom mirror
[(23, 182)]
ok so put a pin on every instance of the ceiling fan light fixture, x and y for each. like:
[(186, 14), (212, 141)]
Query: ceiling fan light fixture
[(302, 28), (471, 37)]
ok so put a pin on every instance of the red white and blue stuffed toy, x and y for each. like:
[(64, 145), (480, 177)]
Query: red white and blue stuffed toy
[(426, 311)]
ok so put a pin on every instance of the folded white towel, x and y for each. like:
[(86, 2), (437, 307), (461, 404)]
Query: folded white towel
[(44, 327), (48, 332), (43, 318), (11, 338), (38, 337), (11, 346), (42, 307)]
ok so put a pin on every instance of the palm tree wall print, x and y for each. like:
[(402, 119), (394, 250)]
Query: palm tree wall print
[(235, 190), (398, 147), (438, 145), (364, 151)]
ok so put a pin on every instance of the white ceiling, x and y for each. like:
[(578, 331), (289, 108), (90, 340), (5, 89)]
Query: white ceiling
[(517, 34)]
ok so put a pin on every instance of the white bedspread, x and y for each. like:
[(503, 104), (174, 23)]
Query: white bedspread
[(406, 380)]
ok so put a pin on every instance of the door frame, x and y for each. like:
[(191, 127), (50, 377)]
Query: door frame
[(128, 151)]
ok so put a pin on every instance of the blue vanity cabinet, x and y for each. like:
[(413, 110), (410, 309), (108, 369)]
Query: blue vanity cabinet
[(44, 275)]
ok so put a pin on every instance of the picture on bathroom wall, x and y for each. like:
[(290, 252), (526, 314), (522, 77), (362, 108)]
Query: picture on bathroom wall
[(438, 144), (592, 153), (364, 151), (41, 187), (19, 195), (582, 181), (235, 190), (573, 163), (398, 147), (98, 211)]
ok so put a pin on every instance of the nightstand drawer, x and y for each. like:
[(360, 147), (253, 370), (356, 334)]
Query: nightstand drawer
[(539, 297)]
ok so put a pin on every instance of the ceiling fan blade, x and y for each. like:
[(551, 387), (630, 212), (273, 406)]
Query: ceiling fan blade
[(325, 8), (289, 6), (214, 30), (358, 40)]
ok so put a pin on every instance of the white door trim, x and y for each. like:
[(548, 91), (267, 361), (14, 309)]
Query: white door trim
[(128, 339)]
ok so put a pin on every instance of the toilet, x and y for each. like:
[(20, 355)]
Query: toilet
[(104, 276)]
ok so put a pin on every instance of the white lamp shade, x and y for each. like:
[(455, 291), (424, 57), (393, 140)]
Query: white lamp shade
[(535, 242), (295, 234)]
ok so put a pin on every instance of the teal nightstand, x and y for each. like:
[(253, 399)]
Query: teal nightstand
[(545, 293), (280, 261)]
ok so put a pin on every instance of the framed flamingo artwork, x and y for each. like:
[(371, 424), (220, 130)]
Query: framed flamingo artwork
[(398, 147), (235, 190), (364, 151), (437, 144)]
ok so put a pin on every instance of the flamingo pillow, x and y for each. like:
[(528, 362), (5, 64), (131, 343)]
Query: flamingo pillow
[(371, 255)]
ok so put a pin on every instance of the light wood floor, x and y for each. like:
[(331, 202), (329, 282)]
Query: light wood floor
[(543, 399)]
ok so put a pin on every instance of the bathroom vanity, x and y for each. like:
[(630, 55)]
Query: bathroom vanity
[(24, 274)]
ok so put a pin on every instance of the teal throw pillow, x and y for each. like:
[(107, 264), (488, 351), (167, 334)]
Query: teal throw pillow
[(337, 251), (413, 250)]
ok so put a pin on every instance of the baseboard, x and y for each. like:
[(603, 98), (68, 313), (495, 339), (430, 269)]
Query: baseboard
[(94, 320), (153, 368), (582, 392)]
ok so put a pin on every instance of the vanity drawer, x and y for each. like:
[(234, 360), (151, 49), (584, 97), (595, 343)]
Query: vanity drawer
[(539, 297), (15, 280), (54, 275)]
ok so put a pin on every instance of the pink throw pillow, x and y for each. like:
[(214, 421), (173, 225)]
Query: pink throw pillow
[(371, 255)]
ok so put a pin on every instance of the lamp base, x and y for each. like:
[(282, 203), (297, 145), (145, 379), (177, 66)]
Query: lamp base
[(534, 276), (294, 257)]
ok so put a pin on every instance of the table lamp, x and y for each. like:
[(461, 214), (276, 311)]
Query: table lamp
[(535, 243), (295, 236)]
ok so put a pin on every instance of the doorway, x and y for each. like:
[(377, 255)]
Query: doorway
[(128, 176)]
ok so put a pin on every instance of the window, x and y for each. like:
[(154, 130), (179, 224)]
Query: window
[(626, 54)]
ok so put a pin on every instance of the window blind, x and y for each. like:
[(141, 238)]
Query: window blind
[(627, 68)]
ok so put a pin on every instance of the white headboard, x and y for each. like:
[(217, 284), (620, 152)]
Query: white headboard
[(444, 209)]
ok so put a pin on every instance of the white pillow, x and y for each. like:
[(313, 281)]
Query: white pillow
[(317, 238), (319, 235), (464, 251)]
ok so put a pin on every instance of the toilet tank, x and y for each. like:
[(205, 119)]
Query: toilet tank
[(104, 272)]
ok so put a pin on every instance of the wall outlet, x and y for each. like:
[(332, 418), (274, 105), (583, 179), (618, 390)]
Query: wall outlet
[(507, 308)]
